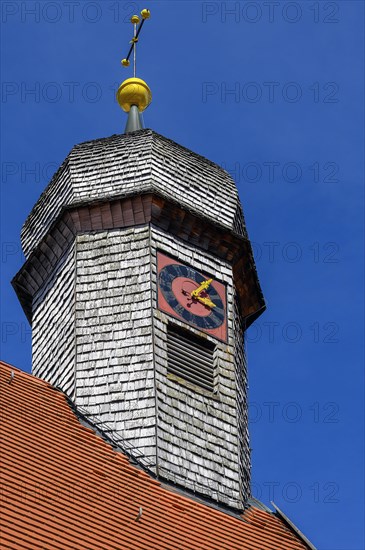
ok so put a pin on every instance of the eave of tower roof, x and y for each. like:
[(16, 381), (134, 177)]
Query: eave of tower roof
[(64, 487), (142, 209)]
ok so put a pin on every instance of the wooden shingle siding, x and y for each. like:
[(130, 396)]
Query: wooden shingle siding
[(53, 334), (198, 433), (114, 349), (242, 401)]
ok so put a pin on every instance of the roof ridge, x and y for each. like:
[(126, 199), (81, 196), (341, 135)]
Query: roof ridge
[(26, 374)]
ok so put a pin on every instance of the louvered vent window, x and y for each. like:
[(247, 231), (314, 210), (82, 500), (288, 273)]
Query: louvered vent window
[(190, 358)]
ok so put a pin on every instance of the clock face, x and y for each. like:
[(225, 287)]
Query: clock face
[(192, 297)]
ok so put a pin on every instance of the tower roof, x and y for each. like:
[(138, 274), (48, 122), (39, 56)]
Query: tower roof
[(65, 487), (130, 164)]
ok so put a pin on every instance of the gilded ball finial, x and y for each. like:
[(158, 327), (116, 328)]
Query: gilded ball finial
[(125, 62), (146, 14), (135, 19), (134, 91)]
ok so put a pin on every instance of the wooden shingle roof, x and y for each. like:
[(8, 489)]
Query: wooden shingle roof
[(133, 164), (62, 487)]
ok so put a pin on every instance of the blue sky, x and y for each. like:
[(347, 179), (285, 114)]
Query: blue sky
[(273, 91)]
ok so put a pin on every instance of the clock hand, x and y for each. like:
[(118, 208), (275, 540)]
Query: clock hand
[(204, 286), (206, 301)]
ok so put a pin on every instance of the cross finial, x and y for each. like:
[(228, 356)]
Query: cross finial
[(135, 20)]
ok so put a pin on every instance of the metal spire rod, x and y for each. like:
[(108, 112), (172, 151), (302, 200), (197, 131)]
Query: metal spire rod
[(135, 49)]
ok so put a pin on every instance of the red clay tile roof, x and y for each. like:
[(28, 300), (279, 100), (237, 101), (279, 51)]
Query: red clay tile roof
[(62, 487)]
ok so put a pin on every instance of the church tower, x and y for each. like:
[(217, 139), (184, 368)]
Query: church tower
[(139, 283)]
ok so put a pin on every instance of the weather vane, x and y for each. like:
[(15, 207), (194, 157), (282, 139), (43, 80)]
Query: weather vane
[(133, 94)]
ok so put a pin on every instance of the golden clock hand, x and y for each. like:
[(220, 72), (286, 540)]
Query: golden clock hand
[(204, 286), (206, 301)]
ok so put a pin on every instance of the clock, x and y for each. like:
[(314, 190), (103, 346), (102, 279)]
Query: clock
[(188, 295)]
